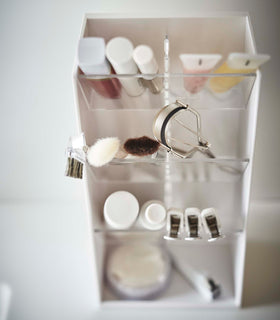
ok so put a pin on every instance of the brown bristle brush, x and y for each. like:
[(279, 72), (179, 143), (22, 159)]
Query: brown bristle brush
[(141, 147)]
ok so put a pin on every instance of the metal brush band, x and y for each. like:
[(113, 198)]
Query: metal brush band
[(175, 222), (175, 227), (212, 223), (193, 225)]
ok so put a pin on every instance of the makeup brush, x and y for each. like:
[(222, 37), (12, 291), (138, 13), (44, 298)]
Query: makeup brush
[(103, 151), (206, 286), (141, 147), (106, 149)]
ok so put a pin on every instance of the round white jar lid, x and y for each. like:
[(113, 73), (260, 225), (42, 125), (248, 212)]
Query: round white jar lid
[(155, 213), (121, 209)]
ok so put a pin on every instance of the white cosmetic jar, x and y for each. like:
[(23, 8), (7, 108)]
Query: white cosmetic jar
[(152, 215), (121, 209)]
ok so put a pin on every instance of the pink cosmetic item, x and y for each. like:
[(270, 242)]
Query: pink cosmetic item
[(198, 64), (92, 61)]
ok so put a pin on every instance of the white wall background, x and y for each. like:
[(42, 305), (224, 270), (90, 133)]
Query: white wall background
[(38, 41), (44, 247)]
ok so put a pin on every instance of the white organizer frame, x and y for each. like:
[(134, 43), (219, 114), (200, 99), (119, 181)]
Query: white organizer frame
[(220, 250)]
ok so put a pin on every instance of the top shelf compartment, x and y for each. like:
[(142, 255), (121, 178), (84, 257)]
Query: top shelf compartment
[(235, 98), (207, 35)]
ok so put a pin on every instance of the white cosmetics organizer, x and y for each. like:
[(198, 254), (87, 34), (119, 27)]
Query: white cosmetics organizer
[(228, 122)]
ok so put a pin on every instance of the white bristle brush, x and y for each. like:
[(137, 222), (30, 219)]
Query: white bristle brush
[(103, 151)]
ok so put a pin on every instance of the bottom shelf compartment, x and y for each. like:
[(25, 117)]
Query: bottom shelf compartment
[(216, 260)]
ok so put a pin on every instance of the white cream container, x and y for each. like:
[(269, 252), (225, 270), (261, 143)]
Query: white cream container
[(121, 209), (152, 215)]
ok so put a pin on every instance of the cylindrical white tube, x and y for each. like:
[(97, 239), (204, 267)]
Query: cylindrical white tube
[(152, 215), (144, 57), (119, 52), (121, 210)]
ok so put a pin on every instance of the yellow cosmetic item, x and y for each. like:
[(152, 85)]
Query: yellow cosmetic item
[(236, 63)]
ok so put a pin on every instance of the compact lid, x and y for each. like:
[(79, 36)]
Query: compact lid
[(144, 57), (91, 56), (121, 209), (138, 271)]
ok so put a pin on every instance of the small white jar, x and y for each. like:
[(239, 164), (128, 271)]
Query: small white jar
[(152, 215), (121, 209)]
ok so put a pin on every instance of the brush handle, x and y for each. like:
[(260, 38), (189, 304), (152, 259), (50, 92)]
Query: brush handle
[(197, 279), (121, 154)]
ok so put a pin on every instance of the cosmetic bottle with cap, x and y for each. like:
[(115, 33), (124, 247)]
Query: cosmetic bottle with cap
[(119, 52), (92, 61), (152, 215), (144, 58), (121, 209)]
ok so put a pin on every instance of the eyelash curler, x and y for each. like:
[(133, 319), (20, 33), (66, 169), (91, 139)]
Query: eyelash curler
[(168, 116)]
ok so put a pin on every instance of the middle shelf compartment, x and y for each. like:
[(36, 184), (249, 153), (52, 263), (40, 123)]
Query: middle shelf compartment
[(225, 196), (148, 170)]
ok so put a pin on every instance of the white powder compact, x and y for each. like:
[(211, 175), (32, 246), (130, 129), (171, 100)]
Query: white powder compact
[(138, 271), (121, 209)]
